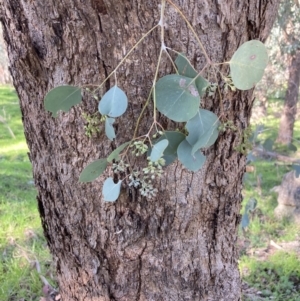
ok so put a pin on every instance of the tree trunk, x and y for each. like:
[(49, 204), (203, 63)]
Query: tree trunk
[(180, 245), (5, 77), (286, 127)]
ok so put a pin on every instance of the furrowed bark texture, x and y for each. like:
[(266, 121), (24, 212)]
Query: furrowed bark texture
[(180, 245), (286, 127)]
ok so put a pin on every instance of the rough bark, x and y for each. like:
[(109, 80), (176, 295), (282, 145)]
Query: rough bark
[(181, 245), (286, 127)]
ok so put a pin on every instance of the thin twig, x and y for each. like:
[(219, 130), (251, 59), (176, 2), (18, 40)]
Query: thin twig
[(263, 152)]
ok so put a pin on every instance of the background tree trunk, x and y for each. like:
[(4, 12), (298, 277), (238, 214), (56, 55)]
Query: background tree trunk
[(5, 77), (286, 127), (181, 245)]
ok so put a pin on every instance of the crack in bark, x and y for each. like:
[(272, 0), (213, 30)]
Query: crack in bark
[(140, 273), (100, 24), (107, 83)]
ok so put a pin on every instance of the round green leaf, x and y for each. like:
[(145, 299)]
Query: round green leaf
[(113, 103), (115, 154), (176, 98), (158, 150), (109, 129), (93, 171), (111, 190), (62, 98), (186, 69), (248, 64), (174, 139), (203, 129), (190, 161)]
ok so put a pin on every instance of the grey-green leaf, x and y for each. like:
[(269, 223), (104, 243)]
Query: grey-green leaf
[(111, 190), (186, 69), (250, 158), (184, 66), (202, 84), (296, 168), (93, 171), (292, 147), (115, 154), (247, 64), (245, 221), (109, 129), (190, 161), (203, 129), (114, 102), (268, 144), (176, 98), (174, 139), (158, 150), (251, 205), (62, 98)]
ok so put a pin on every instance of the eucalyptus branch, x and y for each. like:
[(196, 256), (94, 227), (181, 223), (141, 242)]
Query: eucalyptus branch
[(177, 97), (141, 114), (171, 60), (154, 82)]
